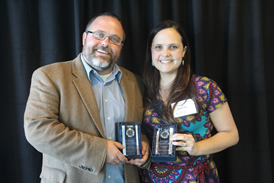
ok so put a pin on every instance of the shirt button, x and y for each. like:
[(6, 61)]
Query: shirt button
[(108, 118), (109, 138), (109, 176), (106, 100)]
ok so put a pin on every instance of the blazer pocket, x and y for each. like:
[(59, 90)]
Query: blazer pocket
[(52, 175)]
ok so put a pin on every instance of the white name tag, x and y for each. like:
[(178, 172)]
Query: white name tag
[(184, 108)]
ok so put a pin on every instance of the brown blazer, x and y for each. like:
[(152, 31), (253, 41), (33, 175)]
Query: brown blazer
[(62, 121)]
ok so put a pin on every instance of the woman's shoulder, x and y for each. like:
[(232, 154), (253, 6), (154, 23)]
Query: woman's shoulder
[(202, 81), (208, 91), (199, 77), (205, 85)]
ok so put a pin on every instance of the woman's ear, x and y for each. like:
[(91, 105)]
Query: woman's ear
[(184, 51)]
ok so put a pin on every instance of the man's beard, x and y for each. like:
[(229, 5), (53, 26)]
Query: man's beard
[(99, 63)]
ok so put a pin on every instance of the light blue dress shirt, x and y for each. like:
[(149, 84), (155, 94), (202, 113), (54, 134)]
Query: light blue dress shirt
[(111, 104)]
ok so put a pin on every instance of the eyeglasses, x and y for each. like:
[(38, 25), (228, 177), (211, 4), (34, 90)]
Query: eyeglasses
[(102, 36)]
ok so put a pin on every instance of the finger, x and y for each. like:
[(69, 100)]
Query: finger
[(144, 148), (180, 143), (180, 149), (121, 158), (183, 147), (142, 160), (134, 162), (145, 156), (114, 163), (117, 162), (137, 162), (119, 145), (178, 136), (184, 144)]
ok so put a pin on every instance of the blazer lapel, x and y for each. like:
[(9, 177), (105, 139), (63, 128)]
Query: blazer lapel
[(86, 93), (128, 88)]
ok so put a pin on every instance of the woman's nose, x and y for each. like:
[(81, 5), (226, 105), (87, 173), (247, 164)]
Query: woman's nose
[(166, 52)]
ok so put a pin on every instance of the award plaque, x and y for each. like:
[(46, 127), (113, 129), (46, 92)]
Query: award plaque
[(129, 134), (162, 148)]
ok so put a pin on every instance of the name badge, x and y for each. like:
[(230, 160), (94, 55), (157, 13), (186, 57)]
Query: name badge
[(184, 108)]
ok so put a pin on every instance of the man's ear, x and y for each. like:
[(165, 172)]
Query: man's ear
[(84, 36)]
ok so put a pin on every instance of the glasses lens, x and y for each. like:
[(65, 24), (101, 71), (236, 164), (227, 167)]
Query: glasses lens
[(114, 40), (102, 35), (99, 35)]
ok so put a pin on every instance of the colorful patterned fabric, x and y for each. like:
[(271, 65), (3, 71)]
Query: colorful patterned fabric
[(187, 168)]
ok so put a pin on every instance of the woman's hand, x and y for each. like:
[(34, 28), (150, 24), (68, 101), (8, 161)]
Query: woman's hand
[(226, 136), (185, 142)]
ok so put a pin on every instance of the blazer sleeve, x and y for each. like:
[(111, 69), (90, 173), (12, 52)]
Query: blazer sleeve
[(50, 136)]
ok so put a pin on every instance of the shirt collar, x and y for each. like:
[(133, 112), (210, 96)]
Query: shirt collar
[(117, 73)]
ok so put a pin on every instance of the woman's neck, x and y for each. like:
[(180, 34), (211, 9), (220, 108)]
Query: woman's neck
[(166, 80), (165, 86)]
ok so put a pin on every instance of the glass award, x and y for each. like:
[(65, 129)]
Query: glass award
[(129, 134), (162, 148)]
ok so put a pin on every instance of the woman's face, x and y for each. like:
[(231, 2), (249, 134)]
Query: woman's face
[(167, 51)]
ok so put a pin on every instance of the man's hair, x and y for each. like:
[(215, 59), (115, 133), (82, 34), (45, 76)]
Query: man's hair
[(108, 14)]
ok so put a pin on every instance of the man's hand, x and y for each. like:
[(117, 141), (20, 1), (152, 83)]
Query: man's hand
[(145, 153), (114, 155)]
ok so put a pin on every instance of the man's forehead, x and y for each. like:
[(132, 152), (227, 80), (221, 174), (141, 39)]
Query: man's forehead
[(107, 24)]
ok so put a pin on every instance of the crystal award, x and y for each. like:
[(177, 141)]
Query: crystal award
[(129, 134), (162, 148)]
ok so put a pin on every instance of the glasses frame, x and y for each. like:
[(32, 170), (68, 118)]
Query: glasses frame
[(119, 43)]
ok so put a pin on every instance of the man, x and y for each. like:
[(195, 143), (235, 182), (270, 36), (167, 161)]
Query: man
[(72, 108)]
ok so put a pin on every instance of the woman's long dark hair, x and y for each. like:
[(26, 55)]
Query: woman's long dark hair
[(181, 86)]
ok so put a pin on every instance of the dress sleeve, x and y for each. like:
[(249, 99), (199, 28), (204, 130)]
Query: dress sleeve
[(209, 93)]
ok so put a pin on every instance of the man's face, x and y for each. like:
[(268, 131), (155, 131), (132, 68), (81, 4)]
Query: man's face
[(101, 54)]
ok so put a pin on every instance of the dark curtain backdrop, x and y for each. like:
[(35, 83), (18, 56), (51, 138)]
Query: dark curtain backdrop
[(232, 42)]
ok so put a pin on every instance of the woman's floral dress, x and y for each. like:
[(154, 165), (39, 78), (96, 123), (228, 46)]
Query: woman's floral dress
[(186, 169)]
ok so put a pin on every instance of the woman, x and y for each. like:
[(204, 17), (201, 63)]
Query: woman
[(169, 80)]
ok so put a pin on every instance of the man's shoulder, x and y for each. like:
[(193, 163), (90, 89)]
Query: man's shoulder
[(129, 74), (58, 66), (55, 70), (133, 77), (124, 70)]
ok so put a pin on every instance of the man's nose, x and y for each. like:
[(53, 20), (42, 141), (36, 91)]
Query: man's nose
[(105, 42)]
